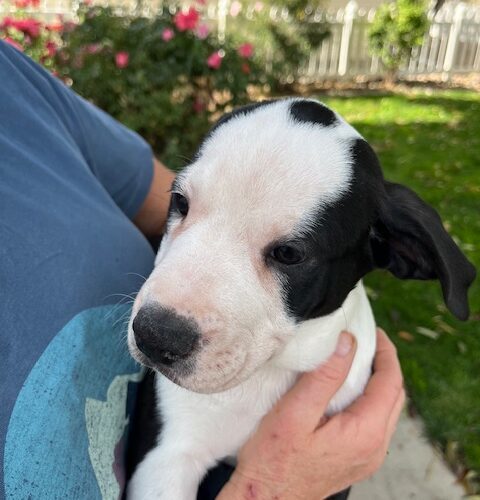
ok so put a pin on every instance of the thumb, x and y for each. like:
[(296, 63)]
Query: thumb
[(307, 401)]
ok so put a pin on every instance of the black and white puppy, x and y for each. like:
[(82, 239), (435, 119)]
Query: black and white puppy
[(270, 231)]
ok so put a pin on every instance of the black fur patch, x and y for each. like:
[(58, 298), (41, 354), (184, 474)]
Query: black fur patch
[(145, 425), (338, 248), (375, 224), (312, 112), (244, 110)]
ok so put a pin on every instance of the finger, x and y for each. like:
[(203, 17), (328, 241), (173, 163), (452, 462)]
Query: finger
[(395, 415), (381, 393), (392, 424), (304, 405)]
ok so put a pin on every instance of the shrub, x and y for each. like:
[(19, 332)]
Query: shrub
[(284, 46), (166, 77), (28, 33), (397, 28)]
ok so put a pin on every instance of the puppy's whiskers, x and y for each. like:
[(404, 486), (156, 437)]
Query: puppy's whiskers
[(123, 295), (122, 318), (139, 275), (125, 299)]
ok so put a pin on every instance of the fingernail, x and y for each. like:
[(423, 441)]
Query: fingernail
[(344, 345)]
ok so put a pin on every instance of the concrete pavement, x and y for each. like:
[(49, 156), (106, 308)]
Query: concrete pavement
[(413, 469)]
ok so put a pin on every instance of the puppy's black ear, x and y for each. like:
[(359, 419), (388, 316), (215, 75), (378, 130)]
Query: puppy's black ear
[(409, 240)]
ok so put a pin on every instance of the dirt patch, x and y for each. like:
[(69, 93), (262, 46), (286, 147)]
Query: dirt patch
[(369, 86)]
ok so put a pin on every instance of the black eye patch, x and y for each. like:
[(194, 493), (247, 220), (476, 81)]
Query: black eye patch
[(179, 204)]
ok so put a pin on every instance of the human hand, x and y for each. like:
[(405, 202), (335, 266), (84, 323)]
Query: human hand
[(299, 453)]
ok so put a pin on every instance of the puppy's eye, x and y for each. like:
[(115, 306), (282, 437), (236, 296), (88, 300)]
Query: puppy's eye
[(180, 204), (288, 254)]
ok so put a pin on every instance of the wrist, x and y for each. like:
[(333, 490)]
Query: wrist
[(241, 487), (230, 492)]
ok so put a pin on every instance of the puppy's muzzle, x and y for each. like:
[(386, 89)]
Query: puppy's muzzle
[(164, 336)]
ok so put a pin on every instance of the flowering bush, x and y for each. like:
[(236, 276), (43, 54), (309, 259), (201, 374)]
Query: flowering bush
[(166, 77), (283, 45), (31, 35)]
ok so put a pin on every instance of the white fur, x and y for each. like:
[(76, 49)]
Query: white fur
[(258, 178)]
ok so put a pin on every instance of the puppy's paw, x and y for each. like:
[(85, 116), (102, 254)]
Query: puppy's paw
[(159, 477), (146, 488)]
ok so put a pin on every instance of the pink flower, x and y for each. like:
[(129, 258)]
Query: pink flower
[(56, 26), (214, 61), (121, 59), (30, 27), (245, 50), (202, 31), (167, 34), (22, 4), (258, 7), (235, 8), (13, 43), (51, 48), (185, 21), (95, 48), (7, 21)]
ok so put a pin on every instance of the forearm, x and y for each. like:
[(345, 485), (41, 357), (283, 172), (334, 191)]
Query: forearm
[(152, 216)]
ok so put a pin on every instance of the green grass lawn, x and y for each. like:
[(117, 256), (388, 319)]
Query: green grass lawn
[(431, 142)]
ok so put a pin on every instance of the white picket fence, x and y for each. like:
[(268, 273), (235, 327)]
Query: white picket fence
[(451, 45)]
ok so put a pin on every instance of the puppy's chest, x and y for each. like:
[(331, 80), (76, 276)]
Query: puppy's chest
[(221, 422)]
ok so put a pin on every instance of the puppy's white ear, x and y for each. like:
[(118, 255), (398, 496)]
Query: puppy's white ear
[(410, 241)]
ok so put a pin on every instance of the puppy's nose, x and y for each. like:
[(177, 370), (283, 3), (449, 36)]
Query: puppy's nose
[(164, 336)]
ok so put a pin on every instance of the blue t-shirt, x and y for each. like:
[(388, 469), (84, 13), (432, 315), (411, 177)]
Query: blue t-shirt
[(71, 180)]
